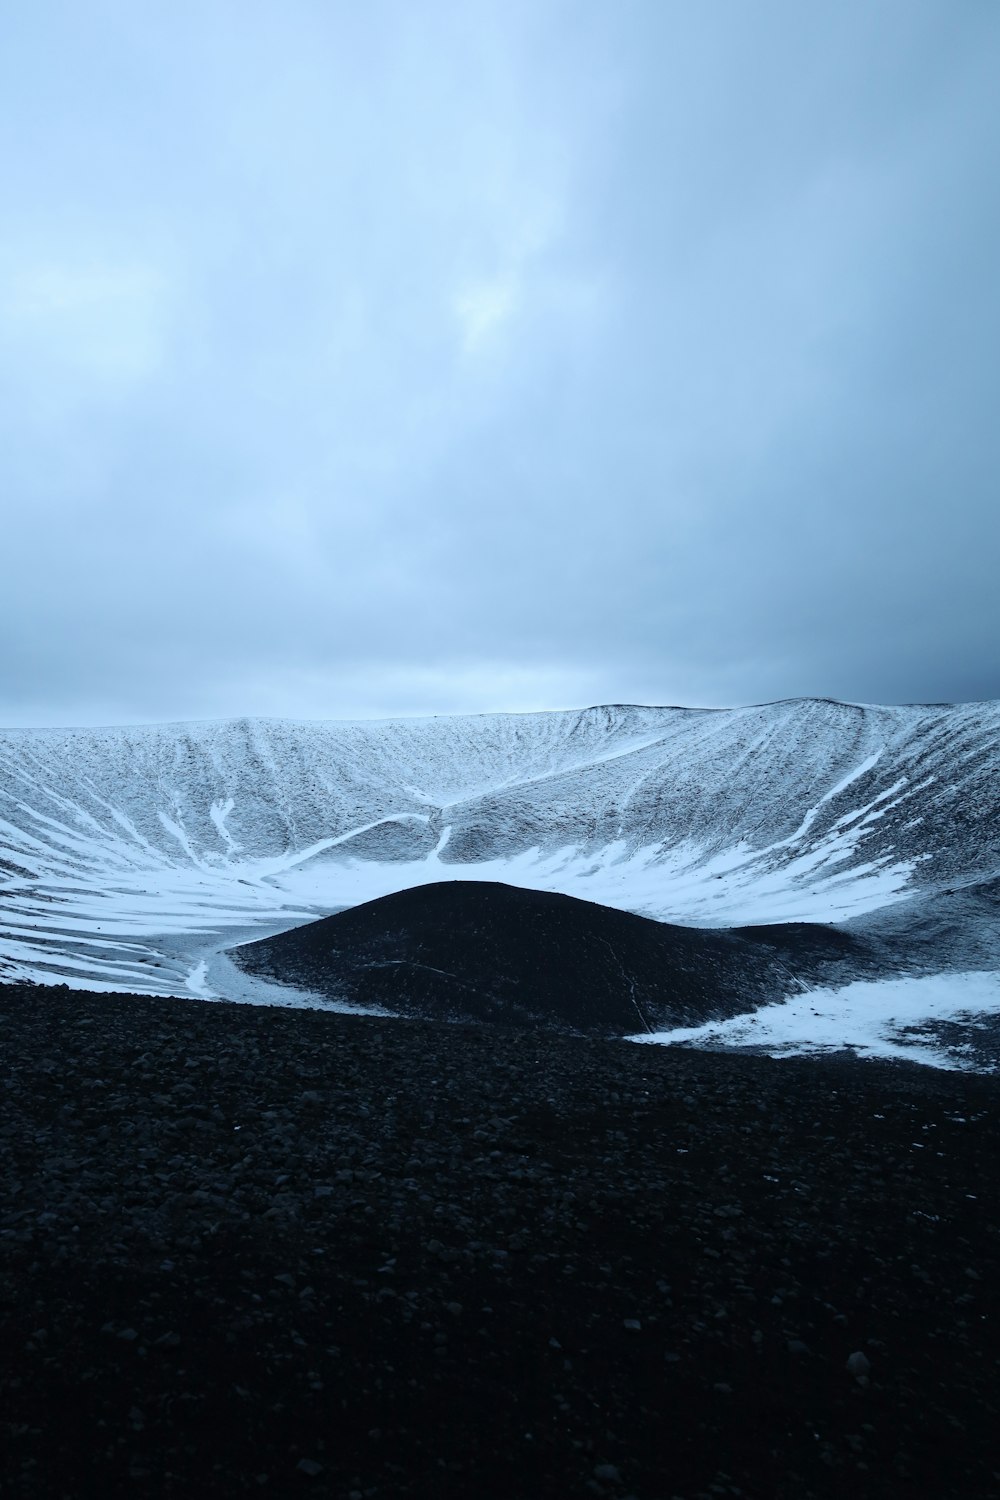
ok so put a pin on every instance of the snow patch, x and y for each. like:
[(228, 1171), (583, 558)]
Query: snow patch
[(869, 1016), (196, 982)]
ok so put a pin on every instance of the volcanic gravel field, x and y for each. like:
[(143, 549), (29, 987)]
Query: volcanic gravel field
[(260, 1252)]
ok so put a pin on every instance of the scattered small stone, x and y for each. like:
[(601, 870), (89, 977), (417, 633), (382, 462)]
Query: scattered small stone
[(858, 1364)]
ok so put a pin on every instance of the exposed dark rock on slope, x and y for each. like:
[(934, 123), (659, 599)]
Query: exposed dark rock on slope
[(481, 951), (250, 1252)]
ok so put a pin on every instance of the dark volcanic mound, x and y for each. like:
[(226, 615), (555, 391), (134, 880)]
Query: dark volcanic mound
[(465, 950)]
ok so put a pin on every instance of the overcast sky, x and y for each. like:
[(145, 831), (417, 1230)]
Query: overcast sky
[(410, 357)]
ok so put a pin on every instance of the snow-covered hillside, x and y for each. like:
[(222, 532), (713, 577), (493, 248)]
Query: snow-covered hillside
[(125, 852)]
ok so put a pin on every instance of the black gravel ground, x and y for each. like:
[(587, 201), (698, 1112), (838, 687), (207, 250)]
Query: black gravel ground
[(262, 1252)]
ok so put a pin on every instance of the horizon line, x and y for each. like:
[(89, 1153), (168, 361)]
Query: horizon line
[(482, 714)]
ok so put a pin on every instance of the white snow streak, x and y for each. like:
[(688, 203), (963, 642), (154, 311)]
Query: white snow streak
[(196, 981)]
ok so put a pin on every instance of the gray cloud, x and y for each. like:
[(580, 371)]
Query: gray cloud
[(363, 360)]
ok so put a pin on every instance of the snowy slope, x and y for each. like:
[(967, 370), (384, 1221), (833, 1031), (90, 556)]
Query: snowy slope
[(124, 853)]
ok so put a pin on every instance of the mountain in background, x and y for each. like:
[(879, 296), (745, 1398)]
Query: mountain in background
[(128, 857)]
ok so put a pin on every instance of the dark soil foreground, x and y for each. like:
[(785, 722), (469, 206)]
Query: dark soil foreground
[(268, 1252)]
